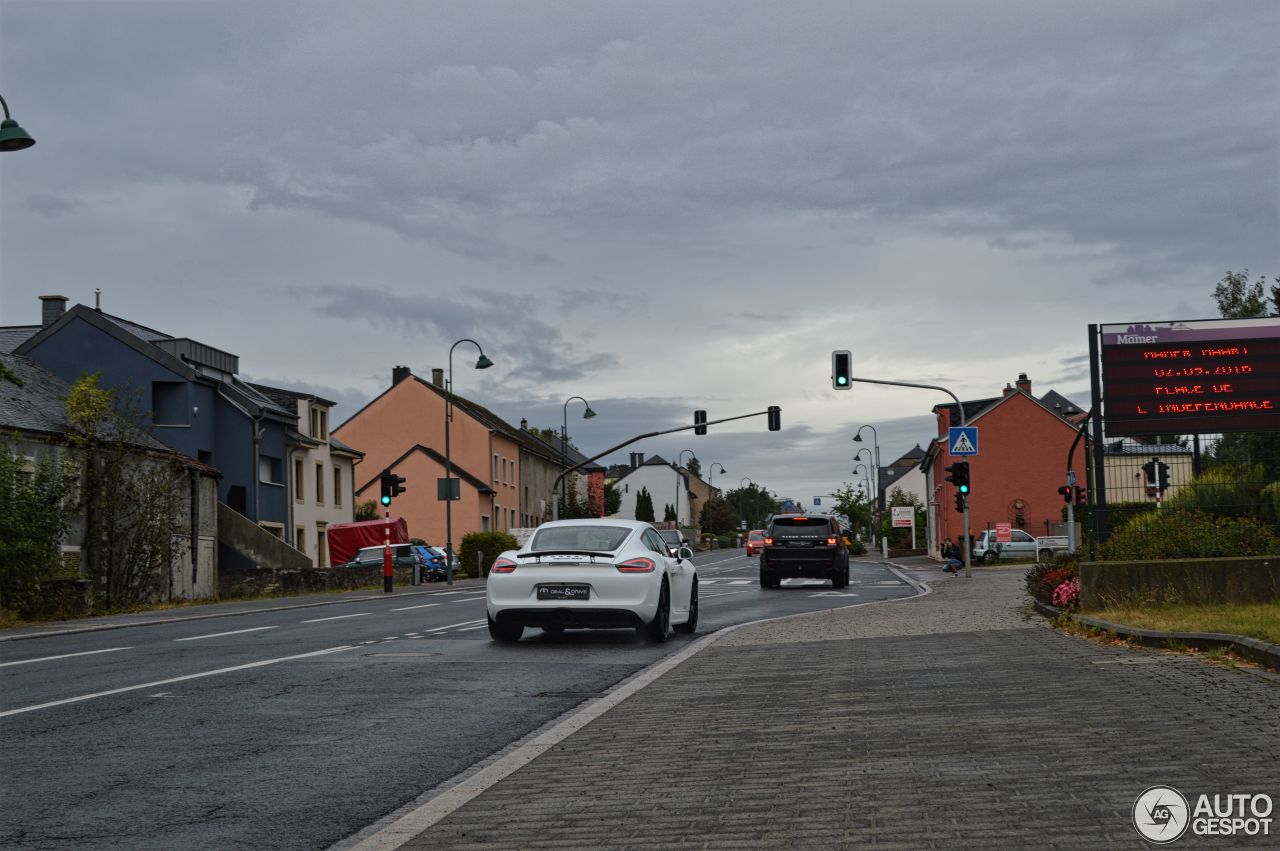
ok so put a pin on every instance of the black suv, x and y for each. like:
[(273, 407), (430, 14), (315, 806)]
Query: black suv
[(808, 545)]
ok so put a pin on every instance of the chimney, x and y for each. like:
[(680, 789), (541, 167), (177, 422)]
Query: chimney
[(1024, 383), (51, 308), (524, 424), (437, 377), (1008, 389), (398, 374)]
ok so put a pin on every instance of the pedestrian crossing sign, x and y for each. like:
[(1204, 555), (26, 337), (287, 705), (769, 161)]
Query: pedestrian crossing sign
[(963, 440)]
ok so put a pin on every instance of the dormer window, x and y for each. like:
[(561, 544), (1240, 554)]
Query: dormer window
[(320, 423)]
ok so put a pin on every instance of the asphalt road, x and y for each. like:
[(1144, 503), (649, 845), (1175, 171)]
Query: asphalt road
[(296, 728)]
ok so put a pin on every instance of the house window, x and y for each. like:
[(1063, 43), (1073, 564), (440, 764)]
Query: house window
[(269, 470), (297, 480), (484, 522), (322, 556), (169, 403), (319, 423), (300, 539), (337, 486), (495, 468), (319, 484)]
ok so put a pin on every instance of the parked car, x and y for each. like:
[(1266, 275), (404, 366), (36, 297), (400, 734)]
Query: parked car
[(431, 563), (804, 545), (987, 548), (593, 574), (755, 541), (402, 555)]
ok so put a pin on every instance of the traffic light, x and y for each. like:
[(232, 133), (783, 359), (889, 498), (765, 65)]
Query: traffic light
[(958, 475), (392, 486), (841, 369), (775, 418), (1082, 497), (960, 501), (1065, 490), (699, 422), (1162, 475)]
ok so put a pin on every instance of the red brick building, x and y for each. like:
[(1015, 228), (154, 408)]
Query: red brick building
[(1022, 443)]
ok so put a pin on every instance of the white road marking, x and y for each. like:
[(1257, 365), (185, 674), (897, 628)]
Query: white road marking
[(338, 617), (468, 600), (709, 594), (220, 634), (455, 626), (412, 634), (392, 638), (469, 628), (6, 713), (63, 656), (408, 608)]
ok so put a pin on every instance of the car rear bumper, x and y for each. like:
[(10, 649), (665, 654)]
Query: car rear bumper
[(570, 617), (792, 563)]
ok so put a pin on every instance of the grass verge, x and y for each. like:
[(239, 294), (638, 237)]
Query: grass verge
[(1255, 620)]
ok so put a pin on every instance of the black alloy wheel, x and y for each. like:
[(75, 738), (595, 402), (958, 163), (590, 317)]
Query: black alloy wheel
[(690, 626), (659, 629)]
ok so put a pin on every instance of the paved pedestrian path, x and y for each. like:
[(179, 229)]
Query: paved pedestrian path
[(956, 719)]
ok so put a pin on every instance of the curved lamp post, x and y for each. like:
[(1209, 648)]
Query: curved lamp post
[(680, 458), (875, 441), (482, 363), (741, 487), (866, 477), (13, 137), (711, 478), (564, 442)]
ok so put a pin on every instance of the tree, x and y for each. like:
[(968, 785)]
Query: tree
[(753, 503), (901, 537), (577, 507), (36, 511), (669, 513), (612, 499), (1239, 299), (718, 517), (130, 497), (694, 466), (367, 511), (854, 504), (644, 505)]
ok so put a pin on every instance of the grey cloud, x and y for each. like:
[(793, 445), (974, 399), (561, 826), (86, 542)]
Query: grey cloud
[(51, 206)]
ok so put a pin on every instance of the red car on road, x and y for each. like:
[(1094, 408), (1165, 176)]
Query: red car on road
[(755, 542)]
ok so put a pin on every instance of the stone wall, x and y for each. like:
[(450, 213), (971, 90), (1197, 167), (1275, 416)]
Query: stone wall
[(234, 584), (1245, 579)]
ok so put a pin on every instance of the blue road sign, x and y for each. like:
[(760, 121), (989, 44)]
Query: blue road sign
[(962, 440), (817, 500)]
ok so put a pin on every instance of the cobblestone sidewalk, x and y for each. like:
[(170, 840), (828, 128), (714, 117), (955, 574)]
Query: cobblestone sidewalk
[(952, 720)]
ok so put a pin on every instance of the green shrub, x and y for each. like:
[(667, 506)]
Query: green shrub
[(1269, 506), (489, 545), (1227, 491), (726, 542), (1120, 514), (1189, 534), (1044, 577)]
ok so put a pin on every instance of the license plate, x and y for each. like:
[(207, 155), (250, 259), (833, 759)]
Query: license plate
[(564, 592), (799, 543)]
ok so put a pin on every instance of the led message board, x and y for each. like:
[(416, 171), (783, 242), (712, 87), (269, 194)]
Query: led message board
[(1201, 377)]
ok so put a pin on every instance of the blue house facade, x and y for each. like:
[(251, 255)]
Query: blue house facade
[(191, 392)]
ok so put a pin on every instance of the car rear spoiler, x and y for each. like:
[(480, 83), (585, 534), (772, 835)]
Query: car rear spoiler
[(593, 554)]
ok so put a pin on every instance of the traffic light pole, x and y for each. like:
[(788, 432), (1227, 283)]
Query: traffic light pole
[(968, 572), (555, 486)]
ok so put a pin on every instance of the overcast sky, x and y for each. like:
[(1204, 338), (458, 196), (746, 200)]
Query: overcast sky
[(656, 206)]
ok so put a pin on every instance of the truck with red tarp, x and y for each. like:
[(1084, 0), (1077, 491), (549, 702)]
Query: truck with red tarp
[(346, 539)]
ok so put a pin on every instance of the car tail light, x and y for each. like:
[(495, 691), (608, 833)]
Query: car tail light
[(503, 565), (831, 542), (769, 541), (637, 565)]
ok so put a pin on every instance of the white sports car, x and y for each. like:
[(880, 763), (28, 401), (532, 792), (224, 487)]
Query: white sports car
[(596, 574)]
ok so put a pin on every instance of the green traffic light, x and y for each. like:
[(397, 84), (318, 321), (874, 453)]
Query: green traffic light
[(842, 380), (386, 500), (964, 489)]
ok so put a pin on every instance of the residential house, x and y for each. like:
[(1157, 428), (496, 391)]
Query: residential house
[(403, 430), (34, 426), (1023, 445), (905, 475), (1128, 468), (537, 479), (321, 467), (667, 485), (196, 403)]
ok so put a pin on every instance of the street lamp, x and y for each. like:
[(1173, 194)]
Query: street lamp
[(680, 458), (875, 441), (564, 442), (711, 478), (741, 487), (866, 477), (482, 363), (12, 137)]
